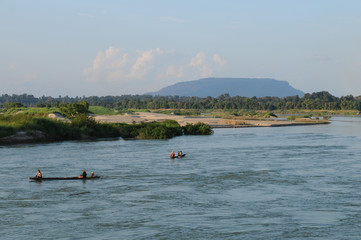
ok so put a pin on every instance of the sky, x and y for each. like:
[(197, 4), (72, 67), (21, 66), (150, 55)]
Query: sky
[(116, 47)]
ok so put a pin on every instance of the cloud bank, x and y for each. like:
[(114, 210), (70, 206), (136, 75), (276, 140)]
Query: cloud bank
[(151, 68)]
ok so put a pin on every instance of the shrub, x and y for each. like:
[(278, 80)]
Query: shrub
[(270, 114), (6, 131), (127, 130), (55, 130), (81, 124), (174, 128), (197, 129), (153, 132), (291, 118)]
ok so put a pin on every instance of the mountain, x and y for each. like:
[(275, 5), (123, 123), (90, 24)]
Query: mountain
[(245, 87)]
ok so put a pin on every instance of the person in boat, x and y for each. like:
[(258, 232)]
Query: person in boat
[(92, 174), (172, 155), (83, 174), (179, 154), (38, 174)]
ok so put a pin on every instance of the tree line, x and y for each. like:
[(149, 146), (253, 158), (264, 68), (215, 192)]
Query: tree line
[(315, 101)]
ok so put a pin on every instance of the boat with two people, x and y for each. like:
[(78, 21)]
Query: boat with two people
[(180, 154), (83, 176)]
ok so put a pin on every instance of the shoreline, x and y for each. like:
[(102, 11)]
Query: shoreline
[(23, 137)]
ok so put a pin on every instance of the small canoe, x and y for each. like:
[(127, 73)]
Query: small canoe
[(179, 156), (62, 178)]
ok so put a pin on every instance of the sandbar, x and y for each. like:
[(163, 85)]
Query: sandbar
[(213, 122)]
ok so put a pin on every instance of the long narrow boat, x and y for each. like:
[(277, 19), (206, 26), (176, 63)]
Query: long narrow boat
[(63, 178)]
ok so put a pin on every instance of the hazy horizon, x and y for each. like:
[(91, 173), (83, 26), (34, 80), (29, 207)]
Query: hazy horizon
[(97, 48)]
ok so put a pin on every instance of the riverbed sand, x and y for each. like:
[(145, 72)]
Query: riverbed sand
[(183, 120)]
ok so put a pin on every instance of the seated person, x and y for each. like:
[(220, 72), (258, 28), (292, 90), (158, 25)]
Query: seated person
[(38, 174), (83, 175)]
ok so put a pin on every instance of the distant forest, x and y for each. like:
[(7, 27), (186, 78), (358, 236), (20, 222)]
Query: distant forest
[(318, 100)]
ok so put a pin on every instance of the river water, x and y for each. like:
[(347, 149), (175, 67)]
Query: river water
[(299, 182)]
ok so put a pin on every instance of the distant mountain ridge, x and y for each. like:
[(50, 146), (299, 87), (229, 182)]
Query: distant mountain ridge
[(245, 87)]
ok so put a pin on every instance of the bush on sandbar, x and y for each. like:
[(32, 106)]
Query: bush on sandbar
[(84, 126), (197, 129)]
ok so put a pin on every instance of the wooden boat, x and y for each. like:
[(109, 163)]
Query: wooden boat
[(63, 178), (179, 156)]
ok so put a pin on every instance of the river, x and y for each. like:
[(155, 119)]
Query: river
[(299, 182)]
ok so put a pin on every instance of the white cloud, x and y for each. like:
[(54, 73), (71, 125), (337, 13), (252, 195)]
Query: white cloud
[(172, 72), (206, 71), (149, 69), (144, 63), (218, 60), (198, 60), (107, 65), (113, 65)]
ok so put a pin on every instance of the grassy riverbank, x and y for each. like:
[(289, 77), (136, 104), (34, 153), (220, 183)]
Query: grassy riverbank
[(37, 127), (33, 123)]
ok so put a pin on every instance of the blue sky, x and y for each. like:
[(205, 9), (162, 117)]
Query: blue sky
[(86, 48)]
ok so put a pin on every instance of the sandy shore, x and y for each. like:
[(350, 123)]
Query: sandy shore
[(213, 122)]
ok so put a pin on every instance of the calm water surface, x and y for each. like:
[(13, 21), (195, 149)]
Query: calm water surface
[(247, 183)]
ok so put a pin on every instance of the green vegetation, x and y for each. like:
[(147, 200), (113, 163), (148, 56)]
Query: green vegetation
[(83, 126), (270, 115), (7, 131), (73, 110), (197, 129), (293, 117), (27, 113), (54, 130), (322, 102), (29, 110), (152, 130)]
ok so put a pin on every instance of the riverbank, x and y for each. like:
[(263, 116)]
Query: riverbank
[(211, 121), (22, 128), (140, 125)]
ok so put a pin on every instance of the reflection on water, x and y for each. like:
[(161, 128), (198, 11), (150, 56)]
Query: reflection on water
[(253, 183)]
